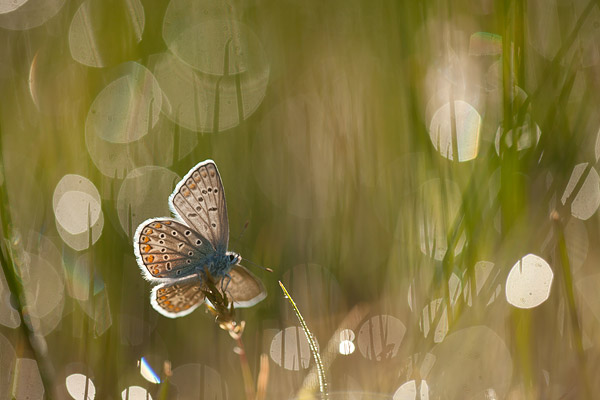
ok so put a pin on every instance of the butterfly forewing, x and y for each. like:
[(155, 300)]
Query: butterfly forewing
[(169, 249), (199, 200), (178, 298), (243, 288)]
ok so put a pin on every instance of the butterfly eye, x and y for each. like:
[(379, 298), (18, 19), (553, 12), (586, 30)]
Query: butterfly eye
[(231, 258)]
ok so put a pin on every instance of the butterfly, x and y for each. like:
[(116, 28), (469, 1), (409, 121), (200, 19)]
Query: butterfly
[(175, 251)]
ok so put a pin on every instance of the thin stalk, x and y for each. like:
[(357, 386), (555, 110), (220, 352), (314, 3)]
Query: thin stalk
[(246, 373), (312, 344), (224, 312), (263, 377)]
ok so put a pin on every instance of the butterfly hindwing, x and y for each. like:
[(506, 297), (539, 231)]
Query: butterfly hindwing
[(178, 298), (199, 199), (243, 288), (166, 248)]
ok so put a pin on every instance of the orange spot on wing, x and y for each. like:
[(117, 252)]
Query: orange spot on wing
[(147, 248), (150, 258), (145, 239)]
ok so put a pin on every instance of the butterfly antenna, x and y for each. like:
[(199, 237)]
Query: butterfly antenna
[(243, 231), (258, 265), (244, 259)]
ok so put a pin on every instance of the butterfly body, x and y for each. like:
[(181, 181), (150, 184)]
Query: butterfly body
[(177, 252), (219, 265)]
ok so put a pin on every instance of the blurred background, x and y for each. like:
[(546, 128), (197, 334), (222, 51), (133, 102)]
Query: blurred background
[(422, 176)]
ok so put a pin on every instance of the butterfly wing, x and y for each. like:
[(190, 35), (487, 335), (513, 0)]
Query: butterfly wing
[(244, 289), (166, 248), (199, 200), (178, 298)]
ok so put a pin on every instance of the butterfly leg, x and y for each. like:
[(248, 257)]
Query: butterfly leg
[(225, 282)]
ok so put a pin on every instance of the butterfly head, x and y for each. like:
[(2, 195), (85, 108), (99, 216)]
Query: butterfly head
[(233, 258)]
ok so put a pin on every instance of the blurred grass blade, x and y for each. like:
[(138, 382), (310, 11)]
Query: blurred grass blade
[(9, 245)]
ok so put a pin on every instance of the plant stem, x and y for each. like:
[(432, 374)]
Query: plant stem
[(247, 375), (263, 377)]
